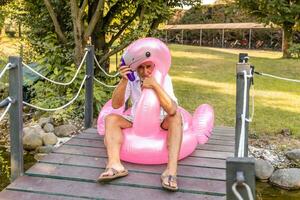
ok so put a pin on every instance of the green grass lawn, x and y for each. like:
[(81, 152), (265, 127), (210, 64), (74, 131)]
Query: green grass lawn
[(207, 75)]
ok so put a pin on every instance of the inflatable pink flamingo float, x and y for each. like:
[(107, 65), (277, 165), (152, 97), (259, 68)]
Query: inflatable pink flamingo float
[(145, 142)]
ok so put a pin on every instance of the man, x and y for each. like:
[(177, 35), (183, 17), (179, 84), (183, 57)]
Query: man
[(170, 120)]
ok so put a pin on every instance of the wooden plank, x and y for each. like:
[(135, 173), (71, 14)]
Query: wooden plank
[(89, 136), (213, 147), (101, 152), (94, 190), (221, 142), (97, 144), (19, 195), (86, 142), (215, 132), (224, 134), (220, 137), (217, 128), (134, 179), (99, 138), (212, 154), (223, 128), (99, 163), (90, 130)]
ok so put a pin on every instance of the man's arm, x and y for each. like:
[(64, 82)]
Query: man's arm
[(164, 99), (118, 96)]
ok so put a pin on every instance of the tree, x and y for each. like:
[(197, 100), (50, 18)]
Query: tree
[(283, 13), (110, 24), (216, 13), (56, 33)]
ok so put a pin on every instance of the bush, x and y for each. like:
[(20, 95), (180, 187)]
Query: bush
[(55, 61), (295, 50)]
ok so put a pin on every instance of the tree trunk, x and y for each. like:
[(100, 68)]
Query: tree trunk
[(77, 31), (56, 24), (153, 27), (287, 39), (100, 45), (98, 37)]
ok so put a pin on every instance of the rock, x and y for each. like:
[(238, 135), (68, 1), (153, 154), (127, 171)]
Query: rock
[(65, 130), (32, 140), (39, 156), (263, 169), (45, 149), (49, 138), (48, 128), (28, 130), (38, 129), (33, 129), (293, 155), (45, 120), (286, 178), (277, 159)]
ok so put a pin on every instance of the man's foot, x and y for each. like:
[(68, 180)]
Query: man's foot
[(111, 173), (169, 182)]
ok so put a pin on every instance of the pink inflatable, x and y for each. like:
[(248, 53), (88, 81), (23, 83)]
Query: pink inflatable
[(145, 142)]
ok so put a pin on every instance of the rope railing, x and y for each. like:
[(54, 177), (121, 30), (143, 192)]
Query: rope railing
[(104, 84), (241, 149), (277, 77), (112, 76), (61, 107), (252, 110), (56, 82), (237, 194), (15, 106), (7, 67), (7, 102)]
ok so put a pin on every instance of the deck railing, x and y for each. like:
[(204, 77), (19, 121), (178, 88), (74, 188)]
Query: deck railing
[(14, 103), (240, 170)]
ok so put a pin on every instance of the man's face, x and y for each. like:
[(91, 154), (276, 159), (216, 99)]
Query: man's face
[(145, 69)]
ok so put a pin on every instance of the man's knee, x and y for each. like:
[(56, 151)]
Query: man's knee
[(112, 119), (172, 120)]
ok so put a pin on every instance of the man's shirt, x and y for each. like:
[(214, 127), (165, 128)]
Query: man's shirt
[(134, 91)]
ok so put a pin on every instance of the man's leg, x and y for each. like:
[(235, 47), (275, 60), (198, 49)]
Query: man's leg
[(174, 126), (113, 140)]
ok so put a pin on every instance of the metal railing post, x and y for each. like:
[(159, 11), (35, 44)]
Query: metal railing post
[(244, 166), (241, 66), (240, 170), (88, 109), (16, 117)]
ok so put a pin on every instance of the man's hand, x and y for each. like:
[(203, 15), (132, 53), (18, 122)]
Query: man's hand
[(149, 82), (124, 70)]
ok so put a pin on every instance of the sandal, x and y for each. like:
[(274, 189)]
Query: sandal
[(116, 174), (168, 186)]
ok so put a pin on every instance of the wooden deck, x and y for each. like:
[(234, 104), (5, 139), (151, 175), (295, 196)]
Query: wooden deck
[(70, 172)]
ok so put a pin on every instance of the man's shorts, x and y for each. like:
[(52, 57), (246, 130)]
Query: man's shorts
[(162, 117), (130, 118)]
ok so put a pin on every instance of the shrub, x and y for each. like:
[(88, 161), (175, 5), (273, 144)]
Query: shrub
[(295, 50)]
